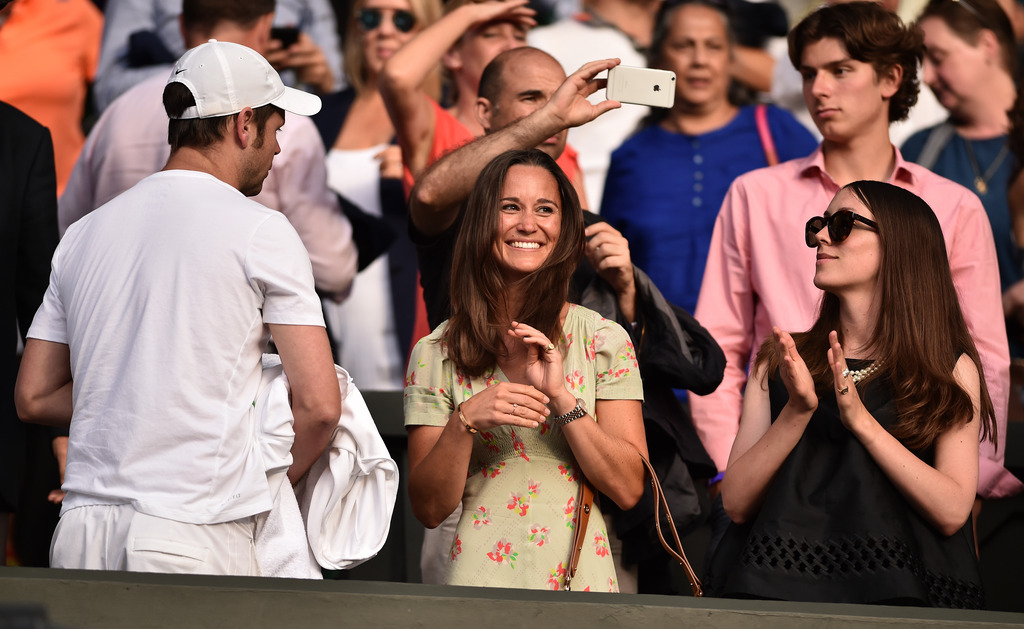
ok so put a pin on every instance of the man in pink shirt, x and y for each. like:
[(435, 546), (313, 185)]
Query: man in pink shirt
[(759, 272)]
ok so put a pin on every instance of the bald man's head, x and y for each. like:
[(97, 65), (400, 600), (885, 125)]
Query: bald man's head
[(515, 84)]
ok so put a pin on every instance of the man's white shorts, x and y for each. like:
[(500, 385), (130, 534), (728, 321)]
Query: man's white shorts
[(117, 537)]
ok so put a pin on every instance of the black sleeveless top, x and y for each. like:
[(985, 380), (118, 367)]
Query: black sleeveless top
[(833, 527)]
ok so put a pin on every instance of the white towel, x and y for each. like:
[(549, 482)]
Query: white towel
[(346, 501)]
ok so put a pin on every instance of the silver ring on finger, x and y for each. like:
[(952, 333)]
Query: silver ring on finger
[(514, 407)]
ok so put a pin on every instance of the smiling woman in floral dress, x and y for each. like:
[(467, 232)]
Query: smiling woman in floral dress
[(519, 395)]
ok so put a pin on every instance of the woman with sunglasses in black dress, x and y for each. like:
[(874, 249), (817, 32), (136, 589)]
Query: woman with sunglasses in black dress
[(855, 468)]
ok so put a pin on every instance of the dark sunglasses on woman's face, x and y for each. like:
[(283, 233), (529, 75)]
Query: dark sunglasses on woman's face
[(839, 224), (370, 19)]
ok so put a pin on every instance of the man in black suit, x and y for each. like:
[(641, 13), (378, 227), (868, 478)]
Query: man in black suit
[(28, 233)]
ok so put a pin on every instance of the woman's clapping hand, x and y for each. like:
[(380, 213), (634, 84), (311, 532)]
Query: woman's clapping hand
[(851, 408), (795, 375), (543, 360)]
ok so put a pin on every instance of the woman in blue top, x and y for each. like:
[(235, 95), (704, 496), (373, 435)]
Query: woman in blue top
[(970, 63), (665, 185)]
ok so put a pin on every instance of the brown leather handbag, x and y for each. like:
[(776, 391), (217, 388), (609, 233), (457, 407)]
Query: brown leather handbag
[(584, 506)]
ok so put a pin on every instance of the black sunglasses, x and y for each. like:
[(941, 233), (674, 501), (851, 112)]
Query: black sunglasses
[(840, 224), (370, 19)]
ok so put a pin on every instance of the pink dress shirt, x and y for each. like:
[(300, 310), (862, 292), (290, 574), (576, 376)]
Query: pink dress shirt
[(759, 274), (129, 143)]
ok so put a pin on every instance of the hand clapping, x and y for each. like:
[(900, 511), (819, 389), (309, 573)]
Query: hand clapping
[(795, 375), (851, 408)]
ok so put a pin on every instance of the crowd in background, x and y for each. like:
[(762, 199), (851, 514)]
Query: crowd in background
[(406, 82)]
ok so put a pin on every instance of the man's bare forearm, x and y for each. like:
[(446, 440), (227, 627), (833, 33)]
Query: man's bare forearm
[(444, 186)]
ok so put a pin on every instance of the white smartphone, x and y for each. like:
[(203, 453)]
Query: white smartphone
[(642, 86)]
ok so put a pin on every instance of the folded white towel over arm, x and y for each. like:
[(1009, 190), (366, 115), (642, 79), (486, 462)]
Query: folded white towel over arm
[(346, 500)]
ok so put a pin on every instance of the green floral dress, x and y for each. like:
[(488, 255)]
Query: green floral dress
[(522, 484)]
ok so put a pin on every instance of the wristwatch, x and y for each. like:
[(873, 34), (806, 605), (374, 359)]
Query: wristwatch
[(572, 415)]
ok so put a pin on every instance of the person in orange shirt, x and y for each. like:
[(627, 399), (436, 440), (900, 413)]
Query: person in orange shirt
[(48, 54)]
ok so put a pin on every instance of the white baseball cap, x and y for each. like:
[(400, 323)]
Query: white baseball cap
[(225, 78)]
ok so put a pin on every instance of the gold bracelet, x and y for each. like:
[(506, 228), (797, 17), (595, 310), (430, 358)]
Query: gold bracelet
[(463, 418)]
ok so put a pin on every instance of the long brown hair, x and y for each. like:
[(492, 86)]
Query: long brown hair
[(479, 292), (920, 331)]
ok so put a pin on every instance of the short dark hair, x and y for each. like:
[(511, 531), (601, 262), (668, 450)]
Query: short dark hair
[(202, 132), (871, 35), (205, 15)]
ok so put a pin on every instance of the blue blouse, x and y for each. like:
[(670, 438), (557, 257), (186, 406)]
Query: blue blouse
[(664, 191)]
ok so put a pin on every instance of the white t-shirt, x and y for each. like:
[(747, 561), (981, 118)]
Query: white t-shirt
[(163, 296)]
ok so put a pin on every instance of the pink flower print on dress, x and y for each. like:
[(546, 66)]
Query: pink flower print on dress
[(570, 513), (538, 535), (612, 585), (545, 427), (599, 340), (568, 341), (557, 577), (481, 517), (465, 382), (602, 376), (601, 543), (630, 354), (490, 379), (569, 471), (492, 471), (518, 446), (490, 441), (532, 488), (591, 350), (410, 378), (518, 502), (503, 553), (456, 548), (575, 381)]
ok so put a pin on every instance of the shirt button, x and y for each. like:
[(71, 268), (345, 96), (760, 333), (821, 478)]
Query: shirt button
[(698, 175), (698, 187), (697, 202), (698, 159)]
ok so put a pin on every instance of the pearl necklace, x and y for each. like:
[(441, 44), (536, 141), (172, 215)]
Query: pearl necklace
[(860, 374)]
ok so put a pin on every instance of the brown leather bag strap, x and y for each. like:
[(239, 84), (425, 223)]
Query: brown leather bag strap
[(583, 508), (677, 553)]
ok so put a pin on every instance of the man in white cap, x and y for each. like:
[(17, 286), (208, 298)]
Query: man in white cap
[(150, 336)]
